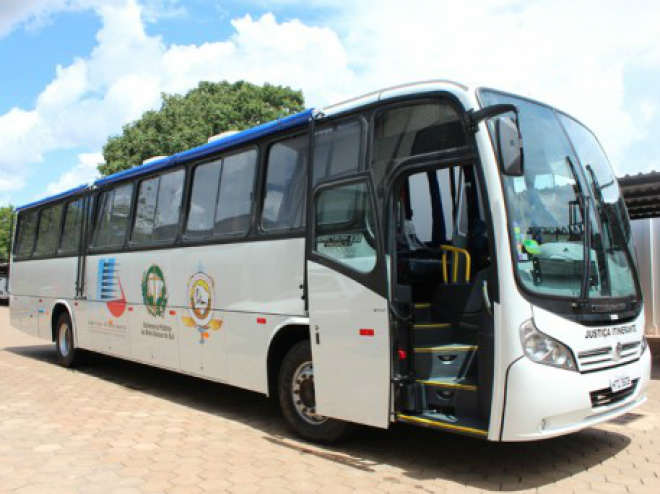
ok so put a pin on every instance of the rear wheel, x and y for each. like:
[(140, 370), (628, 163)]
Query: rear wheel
[(67, 355), (298, 401)]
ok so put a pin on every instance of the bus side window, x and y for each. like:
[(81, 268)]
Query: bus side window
[(344, 230), (114, 209), (286, 183), (27, 229), (205, 184), (337, 150), (73, 217), (48, 233), (158, 209), (236, 194)]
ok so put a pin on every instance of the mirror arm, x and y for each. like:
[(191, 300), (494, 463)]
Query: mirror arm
[(474, 117)]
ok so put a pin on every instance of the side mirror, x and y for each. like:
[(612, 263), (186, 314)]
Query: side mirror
[(508, 142)]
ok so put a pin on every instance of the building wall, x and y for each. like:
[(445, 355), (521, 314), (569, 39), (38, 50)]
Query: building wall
[(647, 247)]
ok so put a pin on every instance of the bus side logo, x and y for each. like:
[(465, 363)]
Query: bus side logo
[(201, 296), (109, 288), (154, 291)]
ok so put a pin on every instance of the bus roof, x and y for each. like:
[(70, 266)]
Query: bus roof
[(255, 133), (202, 151)]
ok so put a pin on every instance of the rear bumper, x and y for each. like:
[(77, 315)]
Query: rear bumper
[(543, 402)]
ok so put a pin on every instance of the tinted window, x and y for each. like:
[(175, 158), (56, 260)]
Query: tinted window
[(414, 129), (337, 150), (158, 209), (285, 185), (235, 196), (50, 220), (345, 226), (72, 226), (146, 211), (203, 200), (170, 194), (114, 208), (26, 233)]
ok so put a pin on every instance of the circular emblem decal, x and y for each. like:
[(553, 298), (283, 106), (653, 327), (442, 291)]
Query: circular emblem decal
[(200, 292), (154, 291), (201, 299)]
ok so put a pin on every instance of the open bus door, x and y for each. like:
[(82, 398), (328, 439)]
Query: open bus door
[(348, 307)]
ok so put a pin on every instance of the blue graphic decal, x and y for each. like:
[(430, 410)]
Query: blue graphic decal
[(107, 287)]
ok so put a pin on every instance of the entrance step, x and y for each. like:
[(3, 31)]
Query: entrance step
[(457, 397), (440, 421), (452, 360)]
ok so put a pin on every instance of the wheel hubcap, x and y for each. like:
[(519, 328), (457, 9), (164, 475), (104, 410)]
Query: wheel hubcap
[(302, 391), (63, 340)]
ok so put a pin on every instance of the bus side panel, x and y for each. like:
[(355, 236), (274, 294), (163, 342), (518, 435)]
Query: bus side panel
[(35, 287), (107, 320), (207, 310), (256, 287)]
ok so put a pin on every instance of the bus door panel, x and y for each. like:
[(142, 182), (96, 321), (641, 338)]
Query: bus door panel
[(106, 311), (347, 307)]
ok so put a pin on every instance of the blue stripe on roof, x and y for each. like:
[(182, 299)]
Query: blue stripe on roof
[(202, 151), (211, 148), (69, 192)]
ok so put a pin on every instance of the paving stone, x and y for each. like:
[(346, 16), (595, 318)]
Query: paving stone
[(114, 427)]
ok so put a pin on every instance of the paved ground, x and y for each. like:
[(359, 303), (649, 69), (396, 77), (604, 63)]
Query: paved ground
[(117, 427)]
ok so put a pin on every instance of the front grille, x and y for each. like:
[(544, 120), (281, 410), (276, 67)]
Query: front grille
[(604, 397), (603, 357)]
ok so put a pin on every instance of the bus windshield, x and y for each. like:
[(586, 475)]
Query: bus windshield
[(565, 207)]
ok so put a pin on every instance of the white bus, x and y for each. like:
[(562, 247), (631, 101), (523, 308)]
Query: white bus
[(400, 257), (4, 282)]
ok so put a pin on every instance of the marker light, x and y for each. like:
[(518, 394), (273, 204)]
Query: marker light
[(542, 349), (645, 344)]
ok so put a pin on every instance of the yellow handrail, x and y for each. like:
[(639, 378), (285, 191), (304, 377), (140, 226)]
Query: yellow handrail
[(456, 251)]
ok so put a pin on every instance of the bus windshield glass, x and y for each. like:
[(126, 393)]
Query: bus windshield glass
[(567, 206)]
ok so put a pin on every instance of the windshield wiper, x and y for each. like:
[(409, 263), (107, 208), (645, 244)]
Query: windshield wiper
[(586, 211)]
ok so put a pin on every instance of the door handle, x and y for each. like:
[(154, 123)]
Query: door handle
[(484, 291)]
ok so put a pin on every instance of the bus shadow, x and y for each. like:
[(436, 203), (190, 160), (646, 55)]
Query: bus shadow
[(655, 367), (420, 454)]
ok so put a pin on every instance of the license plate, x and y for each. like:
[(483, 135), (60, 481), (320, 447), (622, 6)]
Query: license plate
[(620, 383)]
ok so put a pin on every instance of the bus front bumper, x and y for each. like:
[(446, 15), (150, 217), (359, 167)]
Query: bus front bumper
[(543, 402)]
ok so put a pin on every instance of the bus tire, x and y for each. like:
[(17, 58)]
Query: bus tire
[(67, 354), (297, 401)]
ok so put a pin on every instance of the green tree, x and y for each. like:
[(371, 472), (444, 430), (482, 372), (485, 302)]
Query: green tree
[(5, 231), (185, 121)]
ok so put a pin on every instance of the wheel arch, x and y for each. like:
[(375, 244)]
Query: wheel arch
[(283, 338), (60, 307)]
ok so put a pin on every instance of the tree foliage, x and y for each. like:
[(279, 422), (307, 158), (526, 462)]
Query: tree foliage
[(185, 121), (5, 231)]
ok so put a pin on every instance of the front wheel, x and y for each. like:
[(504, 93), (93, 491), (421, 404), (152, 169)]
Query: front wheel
[(298, 401), (67, 355)]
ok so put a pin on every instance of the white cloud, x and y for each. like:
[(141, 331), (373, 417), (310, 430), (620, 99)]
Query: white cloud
[(126, 72), (83, 173), (15, 12), (574, 54)]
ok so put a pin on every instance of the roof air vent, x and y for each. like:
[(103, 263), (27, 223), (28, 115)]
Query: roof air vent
[(222, 135), (152, 159)]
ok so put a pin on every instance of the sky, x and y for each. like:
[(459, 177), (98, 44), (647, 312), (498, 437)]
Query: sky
[(74, 72)]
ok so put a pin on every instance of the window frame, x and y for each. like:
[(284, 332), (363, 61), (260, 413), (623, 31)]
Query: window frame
[(76, 251), (255, 176), (130, 244), (263, 181), (19, 233), (47, 255), (91, 248), (223, 238), (365, 133)]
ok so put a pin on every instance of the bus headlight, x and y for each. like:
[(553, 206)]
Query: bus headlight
[(542, 349)]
